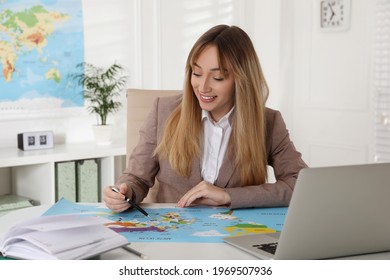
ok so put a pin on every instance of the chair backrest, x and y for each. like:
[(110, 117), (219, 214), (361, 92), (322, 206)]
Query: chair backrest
[(139, 104)]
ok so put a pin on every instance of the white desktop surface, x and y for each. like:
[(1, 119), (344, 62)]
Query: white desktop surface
[(163, 251), (153, 250)]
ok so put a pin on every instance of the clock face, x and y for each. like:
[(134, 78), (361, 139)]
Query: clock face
[(333, 14)]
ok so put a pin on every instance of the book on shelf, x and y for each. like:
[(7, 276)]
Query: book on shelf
[(10, 202), (60, 237)]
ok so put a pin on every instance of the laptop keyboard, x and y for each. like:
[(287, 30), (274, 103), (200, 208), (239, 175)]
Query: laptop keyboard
[(269, 247)]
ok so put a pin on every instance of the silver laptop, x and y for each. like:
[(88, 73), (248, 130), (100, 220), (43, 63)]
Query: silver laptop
[(334, 212)]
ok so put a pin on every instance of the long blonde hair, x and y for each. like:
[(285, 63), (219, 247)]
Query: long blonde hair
[(180, 142)]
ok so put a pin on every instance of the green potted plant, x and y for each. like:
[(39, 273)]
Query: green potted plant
[(101, 89)]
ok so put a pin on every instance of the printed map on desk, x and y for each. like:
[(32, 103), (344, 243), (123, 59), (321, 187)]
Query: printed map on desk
[(195, 224)]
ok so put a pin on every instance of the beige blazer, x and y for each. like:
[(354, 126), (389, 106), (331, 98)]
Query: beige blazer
[(143, 168)]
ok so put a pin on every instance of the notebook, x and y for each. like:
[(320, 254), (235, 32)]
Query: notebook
[(334, 212), (60, 237)]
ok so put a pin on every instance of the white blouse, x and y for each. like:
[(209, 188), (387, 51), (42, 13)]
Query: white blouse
[(214, 143)]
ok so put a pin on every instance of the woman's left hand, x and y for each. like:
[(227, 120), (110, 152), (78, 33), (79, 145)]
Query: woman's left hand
[(206, 194)]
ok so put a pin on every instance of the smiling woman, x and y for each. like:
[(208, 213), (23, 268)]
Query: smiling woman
[(212, 144)]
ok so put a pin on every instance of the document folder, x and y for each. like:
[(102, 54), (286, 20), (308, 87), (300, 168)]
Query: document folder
[(87, 180), (66, 180)]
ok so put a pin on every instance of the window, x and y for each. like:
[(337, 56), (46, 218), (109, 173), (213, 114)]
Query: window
[(382, 80)]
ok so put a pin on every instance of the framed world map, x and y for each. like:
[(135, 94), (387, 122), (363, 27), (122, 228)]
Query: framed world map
[(41, 42)]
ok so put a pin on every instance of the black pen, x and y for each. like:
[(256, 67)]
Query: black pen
[(132, 203)]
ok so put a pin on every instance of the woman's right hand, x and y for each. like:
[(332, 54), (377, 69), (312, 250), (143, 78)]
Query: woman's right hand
[(116, 201)]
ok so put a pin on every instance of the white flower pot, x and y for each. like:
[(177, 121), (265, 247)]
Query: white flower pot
[(102, 134)]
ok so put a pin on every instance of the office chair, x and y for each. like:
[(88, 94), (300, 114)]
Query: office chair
[(139, 104)]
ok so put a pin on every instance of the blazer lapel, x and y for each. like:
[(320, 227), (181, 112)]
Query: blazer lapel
[(226, 171), (196, 176)]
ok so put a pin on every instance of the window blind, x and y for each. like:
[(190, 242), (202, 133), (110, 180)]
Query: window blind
[(381, 76)]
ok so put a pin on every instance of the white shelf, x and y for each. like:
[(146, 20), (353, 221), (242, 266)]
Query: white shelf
[(32, 173), (10, 157)]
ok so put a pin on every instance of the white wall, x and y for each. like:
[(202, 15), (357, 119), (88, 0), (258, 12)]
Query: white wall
[(328, 109), (107, 26), (332, 108), (152, 39)]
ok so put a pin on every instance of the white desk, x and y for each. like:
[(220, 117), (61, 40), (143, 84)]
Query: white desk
[(163, 251), (153, 250)]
